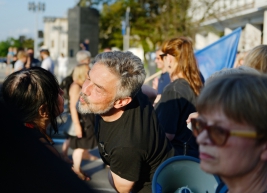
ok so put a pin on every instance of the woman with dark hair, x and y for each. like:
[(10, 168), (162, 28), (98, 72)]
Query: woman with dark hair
[(35, 99), (179, 97)]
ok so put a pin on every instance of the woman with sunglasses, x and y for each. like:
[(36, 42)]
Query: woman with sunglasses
[(179, 97), (231, 131)]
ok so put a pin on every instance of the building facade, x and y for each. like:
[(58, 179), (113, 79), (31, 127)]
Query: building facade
[(250, 15), (56, 36)]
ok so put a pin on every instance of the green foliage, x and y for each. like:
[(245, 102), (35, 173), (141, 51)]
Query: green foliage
[(28, 43), (12, 42), (87, 3), (151, 21), (4, 45)]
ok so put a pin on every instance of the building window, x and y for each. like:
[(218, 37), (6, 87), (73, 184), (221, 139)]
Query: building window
[(52, 43)]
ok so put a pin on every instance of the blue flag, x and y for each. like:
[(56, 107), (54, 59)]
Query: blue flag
[(221, 54)]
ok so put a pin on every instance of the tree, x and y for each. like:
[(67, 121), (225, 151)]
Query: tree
[(88, 3), (153, 21), (17, 43)]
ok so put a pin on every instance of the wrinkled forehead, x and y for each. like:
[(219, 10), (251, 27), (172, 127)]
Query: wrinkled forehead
[(104, 76)]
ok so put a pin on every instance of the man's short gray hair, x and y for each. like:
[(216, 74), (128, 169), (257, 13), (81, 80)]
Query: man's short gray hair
[(82, 55), (128, 67)]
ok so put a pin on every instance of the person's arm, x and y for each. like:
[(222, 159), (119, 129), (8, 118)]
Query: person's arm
[(149, 92), (28, 63), (74, 94), (120, 184)]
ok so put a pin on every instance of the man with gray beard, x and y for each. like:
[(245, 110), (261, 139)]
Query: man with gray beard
[(129, 136)]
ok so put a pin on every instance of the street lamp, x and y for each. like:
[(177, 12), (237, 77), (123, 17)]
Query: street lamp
[(36, 8), (126, 30)]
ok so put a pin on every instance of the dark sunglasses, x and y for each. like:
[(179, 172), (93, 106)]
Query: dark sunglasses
[(162, 56), (218, 135)]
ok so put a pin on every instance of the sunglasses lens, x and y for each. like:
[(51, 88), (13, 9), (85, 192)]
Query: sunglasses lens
[(197, 127), (217, 135)]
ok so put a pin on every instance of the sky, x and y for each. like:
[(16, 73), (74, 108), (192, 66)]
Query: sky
[(16, 19)]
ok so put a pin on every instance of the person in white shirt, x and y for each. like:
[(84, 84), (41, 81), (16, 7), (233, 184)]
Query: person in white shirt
[(47, 62), (62, 67)]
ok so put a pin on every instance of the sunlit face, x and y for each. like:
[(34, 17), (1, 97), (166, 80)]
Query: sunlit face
[(60, 100), (239, 156), (98, 91), (158, 61)]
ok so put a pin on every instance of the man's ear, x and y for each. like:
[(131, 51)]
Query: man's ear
[(43, 112), (264, 152), (122, 102)]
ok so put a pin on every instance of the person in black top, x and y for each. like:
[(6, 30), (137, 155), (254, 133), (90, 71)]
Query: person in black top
[(34, 99), (179, 97), (130, 139), (27, 165)]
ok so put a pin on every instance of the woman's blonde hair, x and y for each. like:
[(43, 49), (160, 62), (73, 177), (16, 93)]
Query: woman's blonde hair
[(22, 54), (257, 58), (182, 49), (80, 73)]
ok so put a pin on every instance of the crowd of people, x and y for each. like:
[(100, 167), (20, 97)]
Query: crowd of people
[(136, 127)]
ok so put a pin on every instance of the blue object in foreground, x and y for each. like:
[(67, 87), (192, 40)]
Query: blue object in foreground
[(221, 54)]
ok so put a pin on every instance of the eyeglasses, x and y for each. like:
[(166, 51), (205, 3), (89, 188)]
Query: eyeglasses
[(163, 55), (103, 153), (218, 135)]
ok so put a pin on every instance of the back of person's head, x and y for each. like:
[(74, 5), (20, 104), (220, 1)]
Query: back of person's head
[(25, 91), (182, 49), (257, 58), (80, 73), (82, 56), (128, 67), (22, 54), (227, 71), (242, 97), (45, 52)]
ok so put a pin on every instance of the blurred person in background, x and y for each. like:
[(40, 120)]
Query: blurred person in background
[(9, 59), (83, 125), (63, 62), (82, 57), (179, 97), (47, 62), (32, 62), (160, 83), (257, 58), (22, 59)]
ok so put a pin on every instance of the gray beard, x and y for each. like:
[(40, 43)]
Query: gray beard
[(84, 109)]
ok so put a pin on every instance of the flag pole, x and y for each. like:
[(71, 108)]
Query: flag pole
[(152, 76)]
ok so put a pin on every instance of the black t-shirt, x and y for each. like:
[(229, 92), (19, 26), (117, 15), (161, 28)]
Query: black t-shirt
[(177, 102), (134, 145)]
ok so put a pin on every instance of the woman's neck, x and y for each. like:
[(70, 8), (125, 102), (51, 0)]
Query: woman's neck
[(255, 181), (176, 76), (42, 123)]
